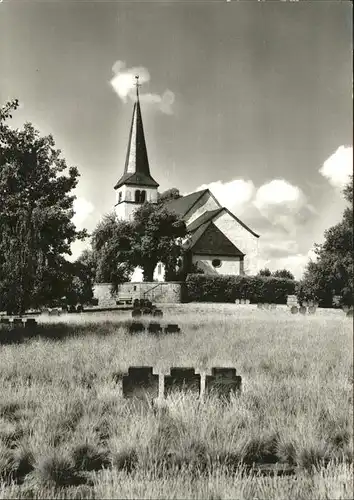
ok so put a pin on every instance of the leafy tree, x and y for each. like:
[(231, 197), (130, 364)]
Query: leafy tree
[(264, 272), (332, 273), (169, 194), (36, 211), (283, 273), (111, 251), (151, 237)]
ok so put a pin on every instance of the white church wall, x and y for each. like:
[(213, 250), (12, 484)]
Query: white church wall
[(206, 202), (229, 265), (242, 239)]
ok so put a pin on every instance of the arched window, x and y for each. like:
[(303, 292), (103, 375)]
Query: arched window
[(120, 197), (137, 196), (142, 196)]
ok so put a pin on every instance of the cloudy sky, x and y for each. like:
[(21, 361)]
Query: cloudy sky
[(252, 99)]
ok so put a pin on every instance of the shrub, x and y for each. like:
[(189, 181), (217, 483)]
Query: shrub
[(206, 288)]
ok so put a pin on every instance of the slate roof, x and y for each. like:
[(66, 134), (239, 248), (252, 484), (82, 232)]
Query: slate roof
[(136, 169), (182, 205)]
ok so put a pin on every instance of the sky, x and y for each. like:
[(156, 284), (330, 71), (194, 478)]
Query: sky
[(251, 99)]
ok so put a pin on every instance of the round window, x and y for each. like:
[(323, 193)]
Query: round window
[(216, 263)]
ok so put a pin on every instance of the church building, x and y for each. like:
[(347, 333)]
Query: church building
[(217, 242)]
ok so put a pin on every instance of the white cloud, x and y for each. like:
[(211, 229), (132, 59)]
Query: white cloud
[(123, 83), (338, 167), (278, 192), (82, 208)]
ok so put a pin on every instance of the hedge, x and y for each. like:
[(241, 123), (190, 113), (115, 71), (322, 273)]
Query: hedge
[(207, 288)]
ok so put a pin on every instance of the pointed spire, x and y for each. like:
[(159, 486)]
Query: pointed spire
[(137, 170)]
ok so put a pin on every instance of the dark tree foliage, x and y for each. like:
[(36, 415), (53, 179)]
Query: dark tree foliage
[(283, 273), (151, 237), (332, 273), (264, 272), (169, 194), (36, 211)]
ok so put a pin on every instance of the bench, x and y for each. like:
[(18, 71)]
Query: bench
[(125, 298)]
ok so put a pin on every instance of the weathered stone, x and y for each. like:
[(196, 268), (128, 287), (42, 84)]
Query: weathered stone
[(136, 327), (157, 313), (273, 306), (79, 308), (248, 301), (266, 305), (294, 310), (17, 321), (350, 313), (172, 328), (182, 379), (154, 327), (223, 382), (30, 322), (311, 309), (136, 313), (260, 305), (5, 321), (346, 308), (302, 310), (141, 383)]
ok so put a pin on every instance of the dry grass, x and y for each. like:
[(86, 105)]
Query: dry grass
[(66, 431)]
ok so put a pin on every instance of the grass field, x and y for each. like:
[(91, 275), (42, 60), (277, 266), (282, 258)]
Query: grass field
[(66, 431)]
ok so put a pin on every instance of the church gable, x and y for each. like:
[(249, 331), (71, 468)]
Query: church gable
[(207, 202), (213, 242)]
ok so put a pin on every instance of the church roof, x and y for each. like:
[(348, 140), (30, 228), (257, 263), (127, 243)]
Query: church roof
[(182, 205), (209, 240), (202, 219), (136, 169)]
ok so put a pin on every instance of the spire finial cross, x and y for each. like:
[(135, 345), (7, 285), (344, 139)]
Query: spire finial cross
[(137, 85)]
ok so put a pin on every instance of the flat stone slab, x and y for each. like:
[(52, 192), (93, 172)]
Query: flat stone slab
[(141, 383), (223, 382), (182, 379)]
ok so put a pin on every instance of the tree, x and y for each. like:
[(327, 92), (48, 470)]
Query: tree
[(36, 211), (264, 272), (151, 237), (283, 273), (332, 273), (169, 194), (111, 251)]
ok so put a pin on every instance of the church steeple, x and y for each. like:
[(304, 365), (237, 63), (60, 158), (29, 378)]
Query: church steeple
[(136, 169), (136, 184)]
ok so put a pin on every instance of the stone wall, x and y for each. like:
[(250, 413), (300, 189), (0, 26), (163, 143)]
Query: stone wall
[(171, 292)]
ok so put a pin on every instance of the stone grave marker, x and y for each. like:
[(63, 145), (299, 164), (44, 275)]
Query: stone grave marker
[(350, 313), (237, 301), (154, 327), (311, 309), (157, 313), (182, 379), (302, 310), (30, 322), (136, 327), (222, 382), (172, 328), (136, 313), (141, 383), (294, 309), (17, 322), (5, 321)]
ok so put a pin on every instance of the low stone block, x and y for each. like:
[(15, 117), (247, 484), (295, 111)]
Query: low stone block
[(136, 313), (182, 379), (259, 305), (266, 305), (56, 312), (136, 327), (154, 327), (273, 306), (172, 328), (350, 313), (294, 309), (302, 310), (79, 308), (136, 303), (157, 313), (346, 309), (223, 382), (146, 311), (141, 383), (248, 301), (5, 321), (311, 309), (17, 321), (30, 322), (237, 301)]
